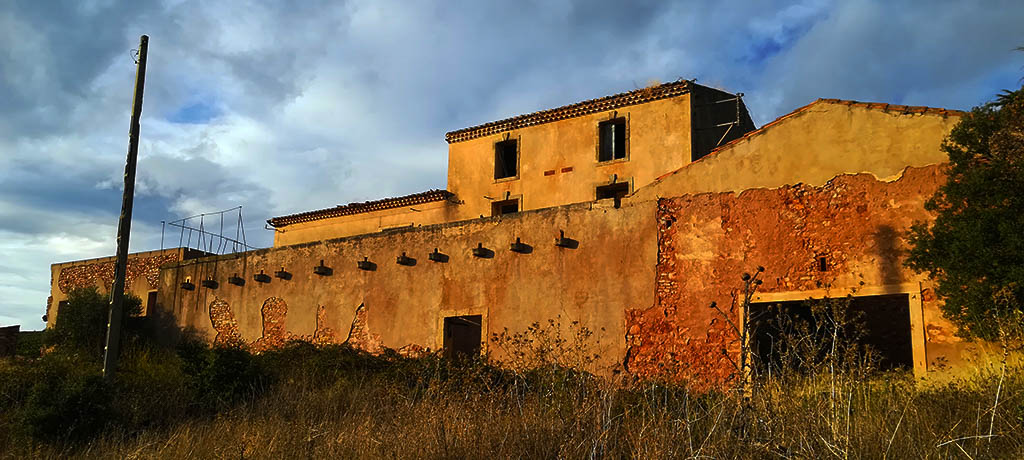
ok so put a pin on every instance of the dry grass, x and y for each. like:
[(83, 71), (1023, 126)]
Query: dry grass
[(336, 402)]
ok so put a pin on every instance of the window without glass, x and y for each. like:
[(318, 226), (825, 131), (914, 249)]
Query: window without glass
[(504, 207), (612, 140), (505, 159), (616, 190)]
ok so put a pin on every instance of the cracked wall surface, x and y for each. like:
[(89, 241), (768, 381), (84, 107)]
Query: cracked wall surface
[(706, 241)]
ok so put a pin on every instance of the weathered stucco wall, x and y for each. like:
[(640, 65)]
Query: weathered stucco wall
[(706, 241), (367, 222), (558, 160), (611, 271), (140, 278), (814, 144)]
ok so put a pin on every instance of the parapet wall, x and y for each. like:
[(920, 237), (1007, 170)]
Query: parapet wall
[(403, 307)]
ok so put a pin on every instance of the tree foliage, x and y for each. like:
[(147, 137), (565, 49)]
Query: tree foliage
[(974, 249), (82, 323)]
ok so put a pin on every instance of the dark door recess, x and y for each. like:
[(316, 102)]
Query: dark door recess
[(462, 335), (885, 321)]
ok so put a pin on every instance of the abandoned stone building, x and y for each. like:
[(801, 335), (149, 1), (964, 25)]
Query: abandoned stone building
[(627, 215), (141, 277)]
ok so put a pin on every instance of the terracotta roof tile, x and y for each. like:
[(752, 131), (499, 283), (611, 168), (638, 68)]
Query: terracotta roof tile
[(612, 102), (356, 208)]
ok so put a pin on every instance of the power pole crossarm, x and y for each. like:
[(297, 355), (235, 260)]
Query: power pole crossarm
[(124, 223)]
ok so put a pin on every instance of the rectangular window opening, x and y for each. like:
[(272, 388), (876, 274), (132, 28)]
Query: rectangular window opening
[(616, 190), (462, 335), (504, 207), (612, 140), (883, 325), (506, 160)]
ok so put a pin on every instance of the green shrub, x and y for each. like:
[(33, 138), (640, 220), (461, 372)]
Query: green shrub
[(29, 343), (220, 377), (81, 325), (151, 389), (66, 401)]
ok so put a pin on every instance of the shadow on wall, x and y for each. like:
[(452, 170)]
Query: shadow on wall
[(888, 252)]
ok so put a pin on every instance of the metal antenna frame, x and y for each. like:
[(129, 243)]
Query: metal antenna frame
[(205, 239)]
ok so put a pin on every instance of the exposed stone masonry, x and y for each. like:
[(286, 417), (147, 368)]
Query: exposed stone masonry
[(706, 241), (101, 274)]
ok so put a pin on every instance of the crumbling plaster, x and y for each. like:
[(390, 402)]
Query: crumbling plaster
[(706, 241), (99, 273), (611, 271)]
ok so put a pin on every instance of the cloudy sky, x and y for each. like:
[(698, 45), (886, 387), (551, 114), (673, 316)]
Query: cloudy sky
[(282, 107)]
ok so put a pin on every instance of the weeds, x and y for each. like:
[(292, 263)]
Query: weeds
[(543, 402)]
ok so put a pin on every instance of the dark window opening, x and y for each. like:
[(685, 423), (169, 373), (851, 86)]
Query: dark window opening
[(612, 140), (505, 159), (617, 190), (462, 336), (881, 323), (504, 207), (822, 264), (150, 301)]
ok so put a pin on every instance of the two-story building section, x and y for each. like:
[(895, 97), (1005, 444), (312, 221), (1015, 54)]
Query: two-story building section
[(597, 149)]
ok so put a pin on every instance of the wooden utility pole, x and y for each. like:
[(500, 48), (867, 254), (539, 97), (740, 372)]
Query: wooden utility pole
[(124, 223)]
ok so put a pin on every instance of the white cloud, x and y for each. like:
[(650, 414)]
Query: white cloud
[(321, 103)]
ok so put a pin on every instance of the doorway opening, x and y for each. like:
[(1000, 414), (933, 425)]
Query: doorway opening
[(462, 336)]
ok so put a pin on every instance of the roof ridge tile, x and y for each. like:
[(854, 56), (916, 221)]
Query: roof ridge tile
[(361, 207), (601, 104)]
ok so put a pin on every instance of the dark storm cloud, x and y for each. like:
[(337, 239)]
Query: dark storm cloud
[(289, 106), (54, 51)]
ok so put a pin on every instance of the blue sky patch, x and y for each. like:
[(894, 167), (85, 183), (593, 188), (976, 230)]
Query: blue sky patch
[(195, 113)]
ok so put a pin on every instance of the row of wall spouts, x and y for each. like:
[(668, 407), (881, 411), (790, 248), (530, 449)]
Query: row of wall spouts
[(479, 251)]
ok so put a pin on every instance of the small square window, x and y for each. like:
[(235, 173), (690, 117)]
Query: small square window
[(504, 207), (612, 141), (506, 159)]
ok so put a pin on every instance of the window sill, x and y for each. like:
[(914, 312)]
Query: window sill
[(612, 162), (506, 179)]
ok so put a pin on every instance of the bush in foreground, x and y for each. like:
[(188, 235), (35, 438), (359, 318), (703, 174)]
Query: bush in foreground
[(336, 401)]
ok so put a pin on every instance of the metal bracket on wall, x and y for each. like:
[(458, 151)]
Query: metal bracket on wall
[(322, 269), (365, 264), (564, 242), (261, 277)]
